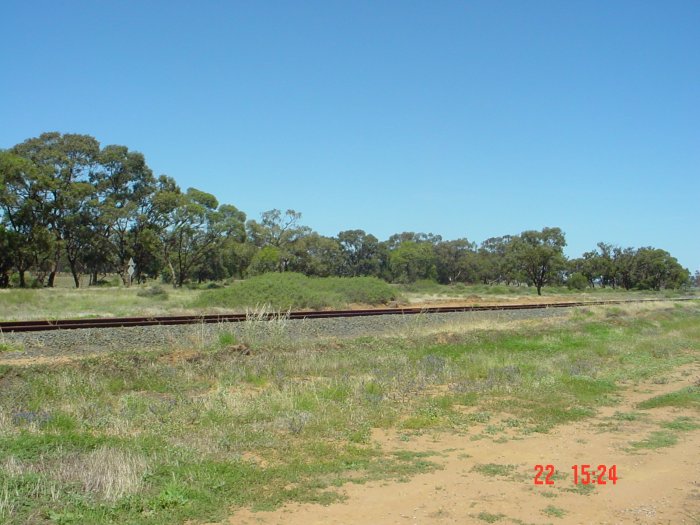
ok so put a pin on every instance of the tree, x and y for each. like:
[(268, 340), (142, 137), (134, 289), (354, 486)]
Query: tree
[(411, 261), (456, 261), (317, 255), (495, 261), (125, 185), (540, 255), (189, 225), (266, 259), (279, 230), (361, 253), (656, 269), (66, 164), (6, 256), (623, 263), (24, 214), (395, 240)]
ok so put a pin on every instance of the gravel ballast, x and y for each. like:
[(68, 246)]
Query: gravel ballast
[(93, 340)]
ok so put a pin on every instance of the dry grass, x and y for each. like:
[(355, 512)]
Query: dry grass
[(106, 473)]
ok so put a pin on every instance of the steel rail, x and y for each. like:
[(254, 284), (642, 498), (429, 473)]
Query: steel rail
[(120, 322)]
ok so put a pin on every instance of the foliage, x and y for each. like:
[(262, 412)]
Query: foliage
[(411, 261), (577, 281), (293, 290), (540, 255), (66, 202)]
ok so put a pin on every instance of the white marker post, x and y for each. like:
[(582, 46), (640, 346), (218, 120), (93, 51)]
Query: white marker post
[(131, 269)]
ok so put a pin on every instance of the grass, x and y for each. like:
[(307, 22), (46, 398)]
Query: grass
[(276, 291), (688, 397), (296, 291), (178, 434), (56, 303), (657, 439), (7, 347), (494, 469), (489, 517), (425, 288), (554, 512)]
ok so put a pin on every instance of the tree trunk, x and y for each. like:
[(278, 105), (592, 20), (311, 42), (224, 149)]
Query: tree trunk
[(539, 289), (54, 268), (172, 273), (74, 272), (22, 281)]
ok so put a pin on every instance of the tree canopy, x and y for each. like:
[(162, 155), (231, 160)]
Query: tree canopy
[(69, 204)]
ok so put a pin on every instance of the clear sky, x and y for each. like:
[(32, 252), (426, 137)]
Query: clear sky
[(468, 119)]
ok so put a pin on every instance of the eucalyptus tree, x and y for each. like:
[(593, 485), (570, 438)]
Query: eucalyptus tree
[(278, 230), (361, 253), (317, 255), (495, 261), (656, 269), (540, 255), (24, 215), (411, 261), (191, 224), (456, 261), (66, 163), (125, 185)]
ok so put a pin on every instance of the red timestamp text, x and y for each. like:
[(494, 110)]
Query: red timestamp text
[(583, 474)]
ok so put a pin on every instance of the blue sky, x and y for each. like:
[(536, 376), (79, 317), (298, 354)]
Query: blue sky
[(467, 119)]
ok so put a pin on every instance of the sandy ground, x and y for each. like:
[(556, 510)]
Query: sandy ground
[(654, 486)]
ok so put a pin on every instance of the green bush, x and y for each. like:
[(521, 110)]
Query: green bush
[(577, 281), (294, 290)]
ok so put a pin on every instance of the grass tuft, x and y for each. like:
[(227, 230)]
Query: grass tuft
[(688, 397)]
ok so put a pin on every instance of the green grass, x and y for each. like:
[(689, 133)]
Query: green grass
[(295, 291), (490, 518), (493, 470), (681, 424), (430, 287), (7, 347), (553, 512), (147, 438), (657, 439), (56, 303), (688, 397)]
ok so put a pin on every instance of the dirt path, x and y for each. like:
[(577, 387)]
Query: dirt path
[(654, 486)]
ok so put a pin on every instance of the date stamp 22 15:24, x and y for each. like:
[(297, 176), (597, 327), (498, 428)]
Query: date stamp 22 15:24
[(583, 474)]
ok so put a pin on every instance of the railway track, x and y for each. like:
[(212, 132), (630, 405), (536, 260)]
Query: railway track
[(117, 322)]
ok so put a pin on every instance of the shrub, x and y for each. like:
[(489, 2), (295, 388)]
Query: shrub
[(577, 281), (293, 290)]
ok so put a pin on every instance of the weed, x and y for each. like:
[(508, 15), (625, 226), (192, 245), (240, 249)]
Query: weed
[(681, 424), (688, 397), (494, 469), (657, 439), (554, 512), (490, 518), (627, 416)]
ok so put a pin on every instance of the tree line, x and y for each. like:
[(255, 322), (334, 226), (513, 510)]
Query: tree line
[(66, 203)]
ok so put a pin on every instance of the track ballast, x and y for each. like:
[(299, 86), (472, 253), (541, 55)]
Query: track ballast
[(118, 322)]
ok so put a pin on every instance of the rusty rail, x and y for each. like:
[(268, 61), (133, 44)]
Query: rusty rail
[(117, 322)]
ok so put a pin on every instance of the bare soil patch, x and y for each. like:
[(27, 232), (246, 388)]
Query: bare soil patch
[(654, 486)]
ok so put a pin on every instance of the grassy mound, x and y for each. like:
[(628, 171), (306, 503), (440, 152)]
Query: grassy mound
[(294, 290)]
